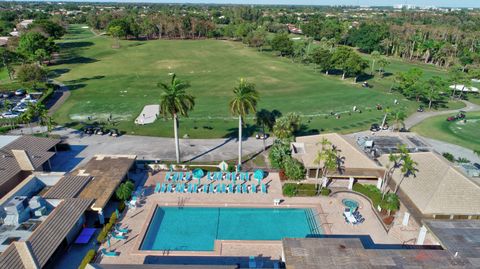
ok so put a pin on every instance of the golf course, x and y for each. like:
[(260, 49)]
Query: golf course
[(464, 134), (118, 82)]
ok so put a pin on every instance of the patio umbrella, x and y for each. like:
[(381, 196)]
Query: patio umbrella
[(117, 213), (258, 175), (198, 174), (239, 167)]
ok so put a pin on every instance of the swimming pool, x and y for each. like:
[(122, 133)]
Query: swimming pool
[(197, 228)]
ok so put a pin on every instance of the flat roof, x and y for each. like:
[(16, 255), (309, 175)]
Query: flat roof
[(438, 187), (458, 236), (7, 139), (107, 172), (68, 186), (353, 158), (343, 253), (49, 235)]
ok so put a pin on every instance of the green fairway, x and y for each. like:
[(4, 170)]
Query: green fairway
[(121, 81), (455, 132)]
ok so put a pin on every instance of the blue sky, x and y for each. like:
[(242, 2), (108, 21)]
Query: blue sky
[(438, 3)]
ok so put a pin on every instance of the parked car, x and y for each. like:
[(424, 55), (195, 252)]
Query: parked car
[(28, 99), (88, 130), (460, 116), (10, 115), (261, 136), (113, 132), (375, 127), (98, 131), (20, 92), (7, 94), (21, 107)]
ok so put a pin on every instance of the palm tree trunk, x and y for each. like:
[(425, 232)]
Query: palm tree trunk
[(175, 131), (239, 140), (398, 185)]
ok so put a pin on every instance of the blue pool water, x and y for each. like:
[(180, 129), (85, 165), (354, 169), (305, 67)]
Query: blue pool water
[(196, 228)]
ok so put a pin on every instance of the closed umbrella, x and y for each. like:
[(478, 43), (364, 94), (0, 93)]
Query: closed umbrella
[(258, 175), (108, 241)]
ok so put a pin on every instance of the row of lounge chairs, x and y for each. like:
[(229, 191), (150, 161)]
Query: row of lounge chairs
[(243, 176), (209, 188), (178, 176)]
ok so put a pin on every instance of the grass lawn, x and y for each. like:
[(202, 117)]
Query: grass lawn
[(121, 81), (457, 132)]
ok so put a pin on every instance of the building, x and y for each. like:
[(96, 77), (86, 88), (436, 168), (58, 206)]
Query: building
[(21, 156), (49, 239), (354, 163), (437, 190)]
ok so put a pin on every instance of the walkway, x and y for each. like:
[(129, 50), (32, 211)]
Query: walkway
[(148, 115), (418, 117)]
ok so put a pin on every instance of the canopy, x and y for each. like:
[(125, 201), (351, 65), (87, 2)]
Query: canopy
[(198, 173), (85, 236)]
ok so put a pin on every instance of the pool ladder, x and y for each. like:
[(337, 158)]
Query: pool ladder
[(312, 222)]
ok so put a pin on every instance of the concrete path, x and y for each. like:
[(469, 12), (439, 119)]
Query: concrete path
[(418, 117), (148, 115), (455, 150)]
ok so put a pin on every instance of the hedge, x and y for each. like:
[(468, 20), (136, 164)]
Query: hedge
[(370, 191), (325, 192), (87, 259), (106, 229), (294, 189)]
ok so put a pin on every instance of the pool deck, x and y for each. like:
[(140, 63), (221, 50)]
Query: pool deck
[(329, 211)]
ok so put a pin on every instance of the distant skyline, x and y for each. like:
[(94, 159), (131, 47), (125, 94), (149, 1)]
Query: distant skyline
[(437, 3)]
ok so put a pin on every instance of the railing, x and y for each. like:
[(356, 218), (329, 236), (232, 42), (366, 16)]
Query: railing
[(312, 222)]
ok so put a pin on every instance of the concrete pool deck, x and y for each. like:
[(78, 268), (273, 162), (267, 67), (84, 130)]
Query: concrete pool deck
[(329, 211)]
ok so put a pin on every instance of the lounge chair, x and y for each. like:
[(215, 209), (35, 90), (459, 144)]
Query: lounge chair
[(209, 175), (247, 176), (174, 177), (169, 187), (264, 188), (227, 176), (239, 188), (119, 237), (251, 262), (180, 176), (188, 176), (253, 188), (164, 188), (224, 188), (241, 176), (157, 187), (211, 189), (195, 188), (244, 188), (234, 176), (121, 230), (230, 188), (167, 176), (205, 188), (109, 253)]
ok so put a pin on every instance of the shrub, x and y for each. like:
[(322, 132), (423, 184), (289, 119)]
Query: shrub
[(370, 191), (278, 152), (121, 206), (289, 189), (294, 169), (87, 259), (448, 156), (390, 202), (325, 192), (31, 73)]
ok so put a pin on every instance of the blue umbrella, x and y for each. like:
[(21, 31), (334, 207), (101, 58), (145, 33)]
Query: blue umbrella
[(117, 213), (108, 240), (258, 175)]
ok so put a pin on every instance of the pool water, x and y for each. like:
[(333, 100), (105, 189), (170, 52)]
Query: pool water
[(350, 203), (197, 228)]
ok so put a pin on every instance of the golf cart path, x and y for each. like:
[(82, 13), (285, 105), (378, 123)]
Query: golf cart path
[(418, 117)]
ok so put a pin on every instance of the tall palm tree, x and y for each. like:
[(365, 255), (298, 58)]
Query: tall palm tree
[(409, 167), (175, 101), (244, 101)]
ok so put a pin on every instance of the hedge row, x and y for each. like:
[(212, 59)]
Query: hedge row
[(106, 229), (87, 259)]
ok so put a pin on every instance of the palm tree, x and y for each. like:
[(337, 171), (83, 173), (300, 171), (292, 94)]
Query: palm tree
[(409, 167), (244, 101), (329, 156), (124, 191), (320, 154), (398, 118), (175, 101), (375, 58)]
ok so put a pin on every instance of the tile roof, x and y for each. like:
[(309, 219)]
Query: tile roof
[(45, 240), (68, 186), (438, 187)]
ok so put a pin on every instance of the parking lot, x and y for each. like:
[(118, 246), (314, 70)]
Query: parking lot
[(14, 103)]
